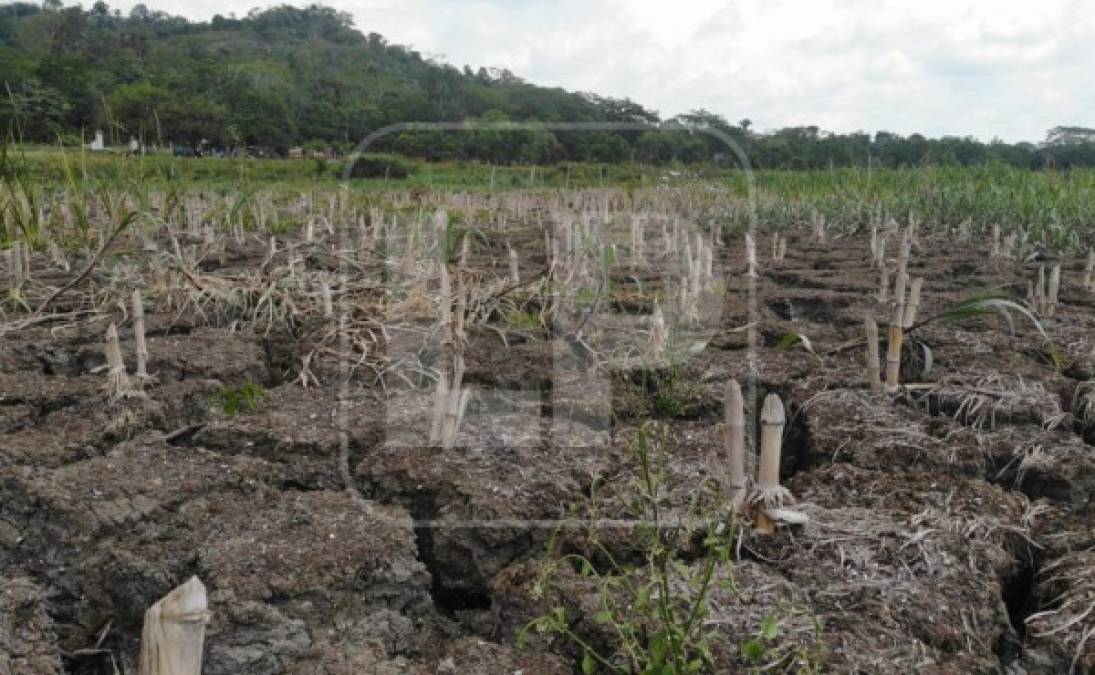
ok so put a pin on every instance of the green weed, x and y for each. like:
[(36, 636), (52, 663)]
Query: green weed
[(654, 612), (231, 401)]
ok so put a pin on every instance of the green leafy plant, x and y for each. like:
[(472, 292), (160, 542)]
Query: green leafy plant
[(522, 320), (977, 306), (787, 341), (231, 401), (982, 305), (20, 196), (672, 391), (765, 652), (755, 649), (654, 613)]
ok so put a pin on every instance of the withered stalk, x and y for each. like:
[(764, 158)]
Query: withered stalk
[(735, 443), (873, 375), (138, 334)]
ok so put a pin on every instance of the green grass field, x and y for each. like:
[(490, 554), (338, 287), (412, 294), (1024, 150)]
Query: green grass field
[(1057, 206)]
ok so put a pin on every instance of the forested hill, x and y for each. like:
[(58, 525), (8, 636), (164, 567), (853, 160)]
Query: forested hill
[(279, 77), (288, 76)]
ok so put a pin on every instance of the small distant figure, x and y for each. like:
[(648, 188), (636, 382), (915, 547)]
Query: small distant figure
[(97, 144), (134, 147)]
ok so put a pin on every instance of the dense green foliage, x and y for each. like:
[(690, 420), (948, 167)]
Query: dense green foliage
[(291, 76), (1059, 203), (277, 78)]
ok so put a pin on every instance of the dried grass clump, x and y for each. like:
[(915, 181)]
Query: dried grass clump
[(869, 562), (1066, 622), (990, 400), (859, 431), (732, 612), (1083, 403), (900, 574)]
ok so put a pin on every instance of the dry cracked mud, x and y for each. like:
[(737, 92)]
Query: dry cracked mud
[(950, 527)]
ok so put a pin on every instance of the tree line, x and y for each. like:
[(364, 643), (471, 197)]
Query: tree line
[(288, 76)]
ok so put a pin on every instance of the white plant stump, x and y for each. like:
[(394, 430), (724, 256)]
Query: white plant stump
[(174, 632)]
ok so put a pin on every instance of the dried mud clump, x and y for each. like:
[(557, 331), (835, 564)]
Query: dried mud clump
[(27, 640), (301, 576), (480, 509), (208, 354), (122, 521), (292, 426)]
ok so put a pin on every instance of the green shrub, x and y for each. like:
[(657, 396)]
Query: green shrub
[(380, 166), (231, 401)]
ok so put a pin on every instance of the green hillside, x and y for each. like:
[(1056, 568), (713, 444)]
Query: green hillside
[(277, 78)]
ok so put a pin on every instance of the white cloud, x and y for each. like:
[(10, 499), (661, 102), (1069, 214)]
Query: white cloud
[(1002, 69)]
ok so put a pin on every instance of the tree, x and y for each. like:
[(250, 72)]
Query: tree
[(33, 111), (137, 109), (539, 147), (603, 146), (1064, 135)]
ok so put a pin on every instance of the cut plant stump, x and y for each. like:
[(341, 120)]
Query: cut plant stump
[(174, 632)]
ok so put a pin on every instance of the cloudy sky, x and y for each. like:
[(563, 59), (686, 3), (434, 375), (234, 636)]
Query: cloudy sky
[(991, 68)]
